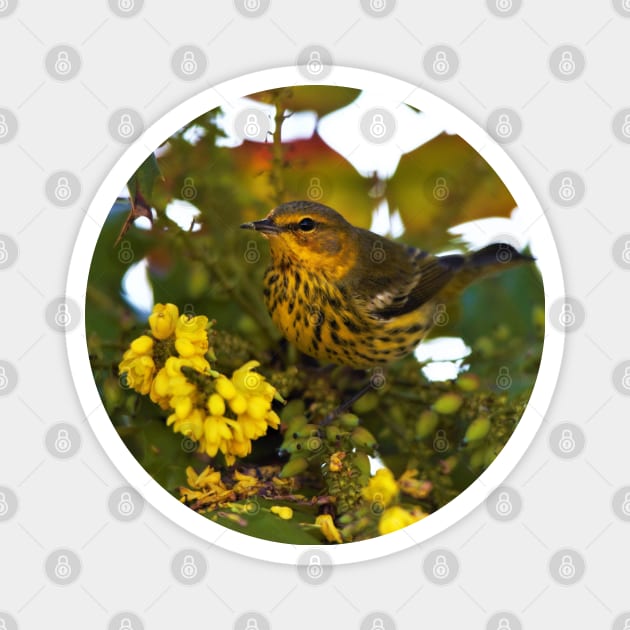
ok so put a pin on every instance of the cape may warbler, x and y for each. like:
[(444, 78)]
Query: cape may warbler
[(343, 294)]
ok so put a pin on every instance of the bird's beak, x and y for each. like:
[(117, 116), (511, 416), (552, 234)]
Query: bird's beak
[(266, 226)]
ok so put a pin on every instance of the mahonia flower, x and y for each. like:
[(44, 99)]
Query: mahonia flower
[(382, 488), (396, 517), (191, 336), (138, 365), (206, 487), (162, 320), (235, 413), (221, 414), (329, 530)]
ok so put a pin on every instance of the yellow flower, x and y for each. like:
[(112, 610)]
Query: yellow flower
[(250, 383), (216, 434), (245, 485), (162, 320), (191, 336), (138, 365), (395, 517), (191, 425), (416, 488), (206, 479), (285, 513), (328, 528), (207, 488), (336, 461), (382, 488)]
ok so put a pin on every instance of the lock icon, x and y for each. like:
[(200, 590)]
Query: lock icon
[(626, 7), (377, 254), (566, 568), (377, 379), (62, 569), (440, 189), (314, 65), (4, 128), (252, 255), (378, 129), (189, 569), (504, 624), (189, 192), (125, 505), (125, 126), (251, 624), (62, 63), (62, 442), (314, 570), (252, 5), (252, 127), (3, 623), (125, 5), (125, 253), (125, 624), (504, 254), (504, 380), (63, 192), (625, 381), (440, 63), (4, 254), (4, 506), (567, 189), (377, 5), (626, 624), (567, 441), (504, 5), (625, 506), (440, 317), (504, 126), (62, 316), (567, 63), (625, 254), (567, 316), (504, 505), (625, 128), (4, 381), (378, 504), (315, 191), (378, 624), (189, 64), (441, 569), (440, 441)]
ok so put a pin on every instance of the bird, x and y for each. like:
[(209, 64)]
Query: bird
[(345, 295)]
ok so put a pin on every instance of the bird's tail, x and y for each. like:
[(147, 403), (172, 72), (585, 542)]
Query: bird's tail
[(470, 267)]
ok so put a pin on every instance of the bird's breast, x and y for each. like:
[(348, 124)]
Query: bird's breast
[(323, 320)]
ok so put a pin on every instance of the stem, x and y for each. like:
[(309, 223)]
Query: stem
[(277, 153)]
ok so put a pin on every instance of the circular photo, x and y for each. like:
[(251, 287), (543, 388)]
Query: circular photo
[(315, 314)]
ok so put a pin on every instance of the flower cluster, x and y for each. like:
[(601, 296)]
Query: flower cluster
[(171, 365)]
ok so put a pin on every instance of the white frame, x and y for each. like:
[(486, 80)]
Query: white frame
[(155, 494)]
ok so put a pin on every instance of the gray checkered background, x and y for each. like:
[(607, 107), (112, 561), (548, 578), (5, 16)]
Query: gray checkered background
[(80, 550)]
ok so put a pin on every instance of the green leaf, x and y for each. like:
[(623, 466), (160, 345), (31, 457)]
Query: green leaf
[(269, 526)]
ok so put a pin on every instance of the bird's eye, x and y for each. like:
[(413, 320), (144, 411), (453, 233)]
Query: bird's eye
[(307, 224)]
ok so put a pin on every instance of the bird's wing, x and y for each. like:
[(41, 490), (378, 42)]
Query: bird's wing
[(405, 279)]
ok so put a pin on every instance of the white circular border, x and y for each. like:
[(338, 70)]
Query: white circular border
[(154, 493)]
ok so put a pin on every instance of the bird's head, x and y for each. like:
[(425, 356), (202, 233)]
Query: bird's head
[(310, 235)]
